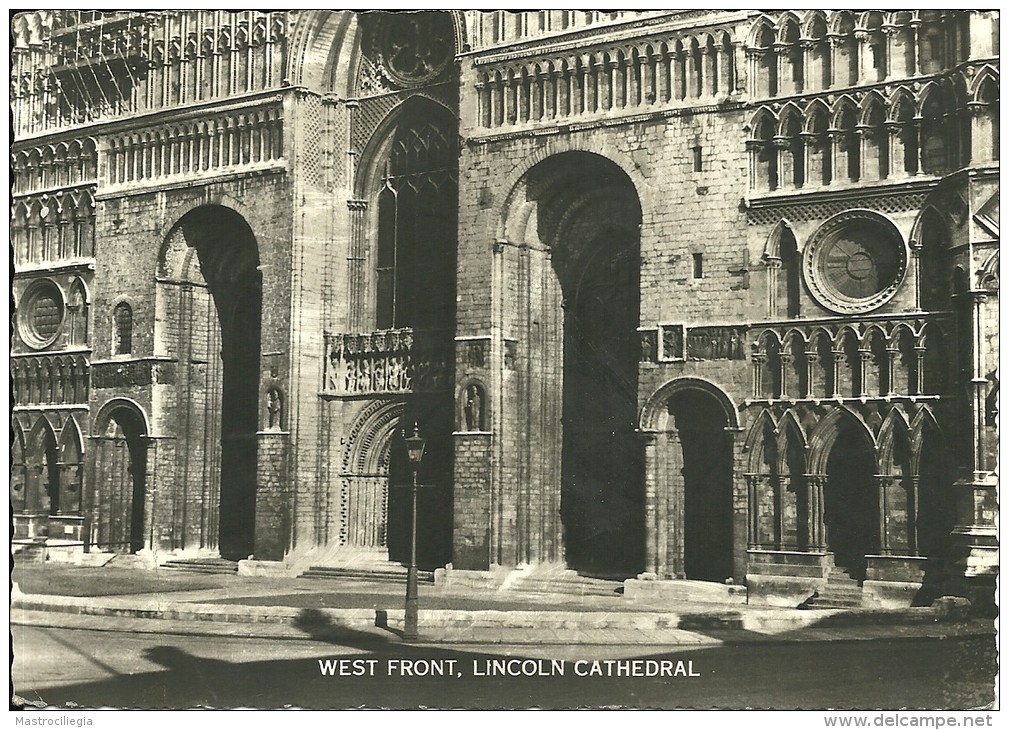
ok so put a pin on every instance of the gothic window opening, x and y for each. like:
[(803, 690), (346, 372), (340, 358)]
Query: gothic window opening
[(77, 315), (933, 263), (417, 209), (848, 144), (122, 322)]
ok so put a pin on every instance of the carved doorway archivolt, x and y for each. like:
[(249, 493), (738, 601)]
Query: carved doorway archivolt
[(363, 512)]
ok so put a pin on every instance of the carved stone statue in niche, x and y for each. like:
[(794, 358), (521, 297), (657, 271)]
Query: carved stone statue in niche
[(274, 409), (473, 410)]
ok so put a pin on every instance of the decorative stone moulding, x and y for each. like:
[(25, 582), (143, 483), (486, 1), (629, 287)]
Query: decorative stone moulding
[(855, 262), (40, 315)]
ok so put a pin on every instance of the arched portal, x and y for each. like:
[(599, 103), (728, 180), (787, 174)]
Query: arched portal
[(707, 484), (403, 286), (690, 530), (211, 294), (120, 492), (851, 498), (574, 219), (42, 487)]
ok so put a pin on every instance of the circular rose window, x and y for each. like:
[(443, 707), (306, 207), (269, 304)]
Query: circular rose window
[(854, 262), (416, 47), (40, 315)]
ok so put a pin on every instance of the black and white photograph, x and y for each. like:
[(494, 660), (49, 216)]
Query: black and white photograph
[(505, 359)]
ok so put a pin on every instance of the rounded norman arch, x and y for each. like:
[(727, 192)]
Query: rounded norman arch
[(101, 419), (370, 443), (515, 210), (655, 413)]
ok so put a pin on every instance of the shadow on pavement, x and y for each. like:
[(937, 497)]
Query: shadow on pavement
[(953, 673)]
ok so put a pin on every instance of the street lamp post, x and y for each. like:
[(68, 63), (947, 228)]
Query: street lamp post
[(415, 450)]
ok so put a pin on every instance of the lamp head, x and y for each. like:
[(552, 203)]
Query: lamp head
[(415, 446)]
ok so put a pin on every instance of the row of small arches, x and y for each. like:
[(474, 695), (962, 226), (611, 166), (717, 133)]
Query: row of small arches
[(677, 69), (63, 164), (53, 228), (50, 380), (874, 364), (769, 438), (793, 54), (501, 26), (875, 137), (244, 139), (47, 468)]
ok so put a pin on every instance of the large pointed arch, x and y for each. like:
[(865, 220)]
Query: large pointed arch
[(825, 433)]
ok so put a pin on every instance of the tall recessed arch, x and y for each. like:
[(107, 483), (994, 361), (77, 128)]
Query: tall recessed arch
[(571, 226), (211, 290)]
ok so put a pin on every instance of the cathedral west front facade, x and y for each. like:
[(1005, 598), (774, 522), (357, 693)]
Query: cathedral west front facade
[(697, 295)]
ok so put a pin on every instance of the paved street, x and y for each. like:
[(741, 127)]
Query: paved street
[(98, 668)]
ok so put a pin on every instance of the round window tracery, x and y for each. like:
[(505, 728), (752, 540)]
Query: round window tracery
[(855, 262), (40, 316), (416, 47)]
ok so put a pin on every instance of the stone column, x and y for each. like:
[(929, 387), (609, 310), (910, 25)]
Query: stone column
[(652, 537), (752, 528), (671, 512), (883, 482), (786, 168), (817, 528), (864, 356), (785, 359), (919, 371), (914, 44), (357, 276), (912, 533), (773, 264), (835, 365), (759, 361), (812, 360), (892, 353)]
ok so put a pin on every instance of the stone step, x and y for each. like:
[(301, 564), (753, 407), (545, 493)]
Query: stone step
[(216, 566), (566, 585), (383, 574)]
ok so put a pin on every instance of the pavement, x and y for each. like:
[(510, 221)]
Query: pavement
[(138, 600)]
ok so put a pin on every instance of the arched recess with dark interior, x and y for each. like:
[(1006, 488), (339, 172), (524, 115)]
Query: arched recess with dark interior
[(933, 262), (118, 502), (409, 178), (18, 464), (574, 221), (691, 530), (217, 422), (706, 446), (71, 456), (42, 483), (844, 454)]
